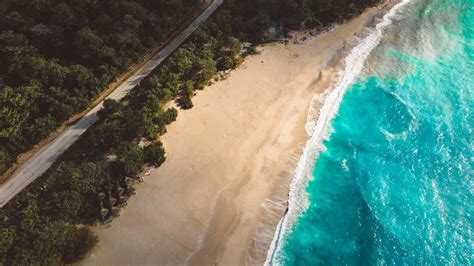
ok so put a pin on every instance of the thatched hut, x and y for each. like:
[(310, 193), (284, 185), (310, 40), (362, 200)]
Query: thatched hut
[(115, 212), (103, 212), (117, 191)]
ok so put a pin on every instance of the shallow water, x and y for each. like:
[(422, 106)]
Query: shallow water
[(394, 181)]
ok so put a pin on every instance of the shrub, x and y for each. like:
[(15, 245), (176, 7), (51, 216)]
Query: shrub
[(155, 154)]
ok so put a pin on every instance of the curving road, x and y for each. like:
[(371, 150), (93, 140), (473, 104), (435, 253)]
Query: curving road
[(46, 156)]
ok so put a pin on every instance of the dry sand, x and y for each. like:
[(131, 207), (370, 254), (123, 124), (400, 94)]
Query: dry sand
[(223, 188)]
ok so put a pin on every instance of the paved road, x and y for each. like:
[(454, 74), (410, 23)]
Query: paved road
[(46, 156)]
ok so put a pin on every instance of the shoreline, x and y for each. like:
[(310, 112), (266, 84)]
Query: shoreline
[(223, 189), (353, 65)]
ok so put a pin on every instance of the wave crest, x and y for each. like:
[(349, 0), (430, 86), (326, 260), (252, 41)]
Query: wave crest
[(298, 198)]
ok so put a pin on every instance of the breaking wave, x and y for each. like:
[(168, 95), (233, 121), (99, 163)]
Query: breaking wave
[(353, 65)]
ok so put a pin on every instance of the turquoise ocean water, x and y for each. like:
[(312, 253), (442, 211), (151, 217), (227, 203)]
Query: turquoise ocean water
[(393, 182)]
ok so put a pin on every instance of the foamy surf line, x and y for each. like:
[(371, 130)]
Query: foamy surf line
[(298, 198)]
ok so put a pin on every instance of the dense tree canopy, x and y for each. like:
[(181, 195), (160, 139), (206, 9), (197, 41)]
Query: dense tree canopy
[(58, 55)]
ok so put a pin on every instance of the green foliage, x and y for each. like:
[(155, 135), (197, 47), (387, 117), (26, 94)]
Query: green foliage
[(109, 108), (130, 160), (155, 154), (40, 229), (64, 205), (56, 56), (51, 242), (234, 45), (4, 160), (252, 50), (14, 109), (87, 43), (7, 236), (168, 116), (228, 62), (138, 124), (164, 93), (185, 102), (207, 69), (85, 178), (82, 242)]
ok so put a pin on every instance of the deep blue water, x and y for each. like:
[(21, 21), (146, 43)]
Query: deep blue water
[(394, 184)]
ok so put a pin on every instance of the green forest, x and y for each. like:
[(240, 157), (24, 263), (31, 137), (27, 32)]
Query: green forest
[(57, 56)]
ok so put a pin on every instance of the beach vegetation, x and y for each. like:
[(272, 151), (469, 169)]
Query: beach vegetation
[(228, 63), (185, 101), (155, 154), (131, 159), (110, 107)]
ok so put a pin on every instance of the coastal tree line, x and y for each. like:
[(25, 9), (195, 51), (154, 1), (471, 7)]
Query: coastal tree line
[(58, 55), (45, 224)]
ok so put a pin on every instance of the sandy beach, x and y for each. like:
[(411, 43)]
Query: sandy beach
[(224, 186)]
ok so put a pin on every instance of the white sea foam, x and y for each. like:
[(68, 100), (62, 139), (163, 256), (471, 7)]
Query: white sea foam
[(318, 99), (298, 198)]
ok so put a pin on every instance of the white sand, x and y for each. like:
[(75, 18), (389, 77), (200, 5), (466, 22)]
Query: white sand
[(223, 188)]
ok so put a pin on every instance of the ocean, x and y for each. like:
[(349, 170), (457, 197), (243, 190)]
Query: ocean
[(387, 176)]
